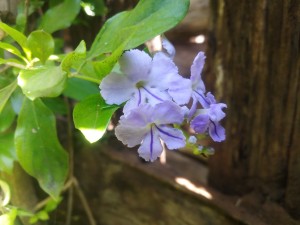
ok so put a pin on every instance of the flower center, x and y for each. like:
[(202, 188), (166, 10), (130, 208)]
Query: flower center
[(140, 84)]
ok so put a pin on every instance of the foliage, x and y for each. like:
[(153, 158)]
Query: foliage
[(34, 82)]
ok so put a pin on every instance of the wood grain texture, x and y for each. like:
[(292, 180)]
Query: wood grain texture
[(255, 51)]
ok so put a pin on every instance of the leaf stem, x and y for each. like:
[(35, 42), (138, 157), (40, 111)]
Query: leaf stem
[(82, 77)]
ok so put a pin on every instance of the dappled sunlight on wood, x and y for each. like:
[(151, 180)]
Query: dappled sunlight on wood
[(192, 187)]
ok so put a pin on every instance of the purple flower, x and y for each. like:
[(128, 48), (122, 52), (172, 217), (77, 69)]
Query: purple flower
[(148, 125), (209, 118), (198, 86), (145, 80)]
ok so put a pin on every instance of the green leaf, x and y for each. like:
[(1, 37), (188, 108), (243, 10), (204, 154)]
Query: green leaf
[(7, 117), (38, 149), (60, 16), (104, 67), (41, 44), (44, 81), (7, 152), (12, 49), (57, 105), (148, 19), (74, 57), (5, 93), (17, 36), (9, 218), (80, 89), (92, 115)]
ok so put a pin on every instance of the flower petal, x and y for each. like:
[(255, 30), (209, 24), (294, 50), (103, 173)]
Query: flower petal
[(181, 90), (136, 65), (163, 68), (173, 137), (216, 131), (167, 113), (151, 147), (215, 111), (196, 70), (130, 135), (154, 95), (200, 123), (116, 88), (168, 47)]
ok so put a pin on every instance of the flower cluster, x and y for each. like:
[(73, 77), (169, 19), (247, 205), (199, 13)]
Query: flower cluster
[(156, 97)]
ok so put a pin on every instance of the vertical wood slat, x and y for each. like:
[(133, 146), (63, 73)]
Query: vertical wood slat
[(257, 49)]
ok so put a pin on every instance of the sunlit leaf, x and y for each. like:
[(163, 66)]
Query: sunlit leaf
[(92, 116), (60, 16), (148, 19), (38, 149), (16, 35), (41, 44), (12, 49), (8, 218), (45, 81)]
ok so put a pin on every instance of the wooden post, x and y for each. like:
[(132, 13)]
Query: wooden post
[(255, 52)]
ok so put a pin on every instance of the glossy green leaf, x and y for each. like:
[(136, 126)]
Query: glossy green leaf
[(41, 44), (5, 93), (148, 19), (12, 49), (92, 115), (74, 57), (17, 36), (7, 117), (80, 89), (57, 105), (61, 16), (45, 81), (7, 152), (38, 149)]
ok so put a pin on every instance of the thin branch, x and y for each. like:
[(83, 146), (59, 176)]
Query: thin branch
[(84, 203), (71, 161)]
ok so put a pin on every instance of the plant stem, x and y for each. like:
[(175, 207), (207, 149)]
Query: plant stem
[(82, 77), (84, 203), (70, 147)]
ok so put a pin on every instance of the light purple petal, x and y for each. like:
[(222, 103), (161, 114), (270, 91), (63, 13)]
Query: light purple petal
[(181, 90), (202, 99), (170, 49), (167, 113), (151, 147), (216, 113), (130, 135), (138, 117), (154, 95), (200, 123), (136, 65), (116, 88), (216, 131), (163, 68), (193, 107), (137, 99), (172, 137), (196, 70)]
